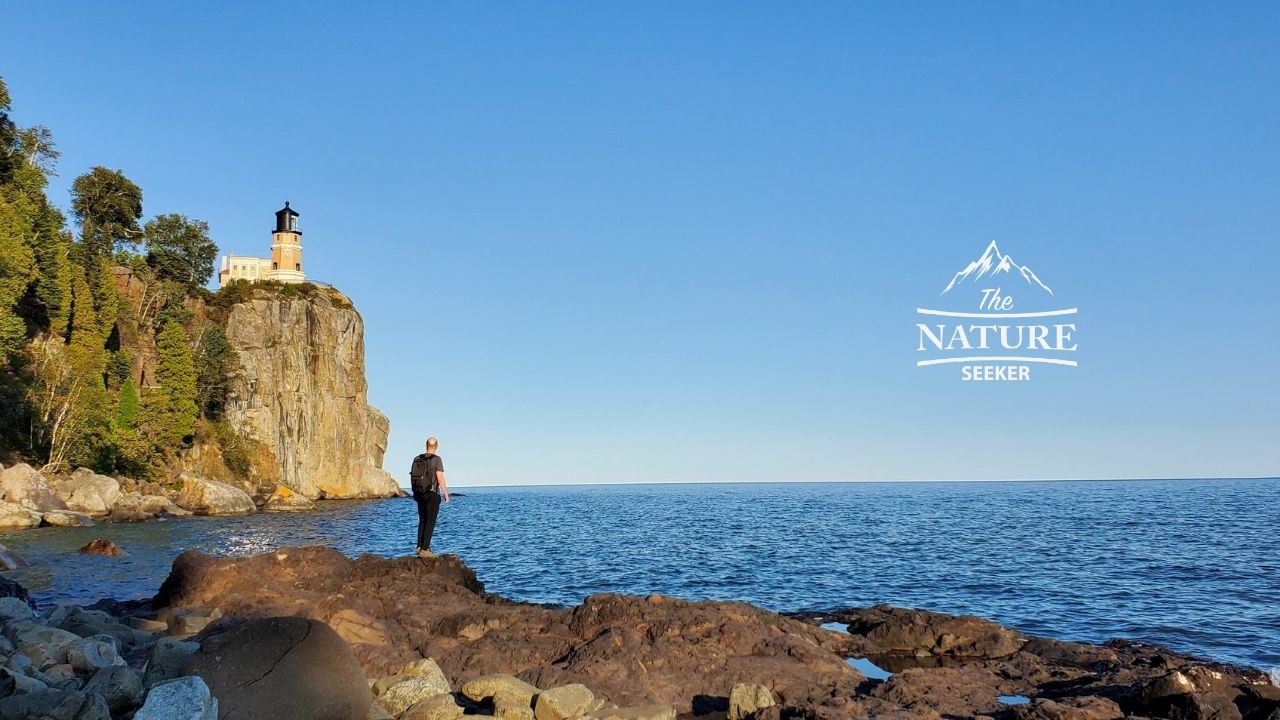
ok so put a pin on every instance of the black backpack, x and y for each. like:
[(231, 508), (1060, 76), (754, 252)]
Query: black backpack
[(421, 477)]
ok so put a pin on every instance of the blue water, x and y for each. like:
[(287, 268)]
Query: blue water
[(1194, 565)]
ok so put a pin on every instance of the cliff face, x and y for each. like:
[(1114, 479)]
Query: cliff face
[(301, 392)]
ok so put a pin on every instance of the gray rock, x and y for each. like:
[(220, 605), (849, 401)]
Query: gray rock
[(10, 560), (54, 705), (87, 492), (66, 518), (45, 646), (23, 683), (206, 497), (119, 685), (91, 654), (185, 622), (136, 507), (184, 698), (747, 698), (425, 668), (566, 701), (148, 625), (24, 485), (269, 668), (169, 659), (14, 610), (16, 517), (62, 677)]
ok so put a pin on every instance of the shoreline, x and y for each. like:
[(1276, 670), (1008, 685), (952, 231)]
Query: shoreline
[(680, 658)]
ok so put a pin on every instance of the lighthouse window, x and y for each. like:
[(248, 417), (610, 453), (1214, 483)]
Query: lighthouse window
[(275, 266), (297, 266)]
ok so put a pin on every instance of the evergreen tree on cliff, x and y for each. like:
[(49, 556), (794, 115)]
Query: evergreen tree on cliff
[(177, 374)]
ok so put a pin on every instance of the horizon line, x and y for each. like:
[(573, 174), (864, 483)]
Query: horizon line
[(882, 482)]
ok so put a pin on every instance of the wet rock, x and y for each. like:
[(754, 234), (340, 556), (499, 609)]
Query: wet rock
[(104, 547), (119, 685), (169, 659), (23, 485), (268, 669), (1089, 707), (10, 560), (184, 698), (54, 704), (566, 701), (91, 654), (746, 698), (66, 518), (207, 497), (885, 629), (14, 589), (285, 500), (440, 706), (137, 507), (17, 517)]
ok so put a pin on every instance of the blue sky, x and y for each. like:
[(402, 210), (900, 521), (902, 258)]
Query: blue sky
[(608, 242)]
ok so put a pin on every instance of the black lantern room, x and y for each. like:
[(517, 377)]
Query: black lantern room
[(286, 219)]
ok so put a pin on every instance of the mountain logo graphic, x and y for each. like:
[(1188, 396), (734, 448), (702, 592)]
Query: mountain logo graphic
[(993, 263)]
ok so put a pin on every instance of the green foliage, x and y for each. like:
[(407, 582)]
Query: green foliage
[(130, 408), (233, 293), (235, 447), (179, 249), (213, 373), (108, 206), (176, 371), (120, 368)]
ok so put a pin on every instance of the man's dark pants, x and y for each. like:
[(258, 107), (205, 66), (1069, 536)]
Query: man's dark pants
[(428, 508)]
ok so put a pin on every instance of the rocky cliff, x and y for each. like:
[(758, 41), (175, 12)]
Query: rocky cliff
[(301, 392)]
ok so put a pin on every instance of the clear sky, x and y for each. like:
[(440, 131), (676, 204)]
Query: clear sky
[(615, 242)]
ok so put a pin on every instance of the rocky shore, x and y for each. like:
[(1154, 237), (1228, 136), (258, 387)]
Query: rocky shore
[(28, 499), (310, 633)]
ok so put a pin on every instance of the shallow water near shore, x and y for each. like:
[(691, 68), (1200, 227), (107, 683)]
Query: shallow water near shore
[(1192, 564)]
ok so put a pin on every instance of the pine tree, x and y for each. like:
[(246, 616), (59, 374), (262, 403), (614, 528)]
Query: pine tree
[(176, 371), (129, 407)]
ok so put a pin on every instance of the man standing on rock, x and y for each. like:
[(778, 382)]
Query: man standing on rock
[(427, 479)]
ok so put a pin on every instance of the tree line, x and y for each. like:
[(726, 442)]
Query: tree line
[(68, 391)]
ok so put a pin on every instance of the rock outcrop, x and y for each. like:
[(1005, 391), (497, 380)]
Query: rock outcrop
[(719, 658), (301, 392), (208, 497)]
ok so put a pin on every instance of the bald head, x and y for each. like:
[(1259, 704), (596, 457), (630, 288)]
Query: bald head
[(432, 444)]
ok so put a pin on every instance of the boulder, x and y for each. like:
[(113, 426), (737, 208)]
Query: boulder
[(425, 668), (119, 685), (24, 485), (46, 646), (1089, 707), (169, 659), (888, 629), (14, 609), (102, 546), (511, 705), (87, 492), (136, 507), (92, 623), (16, 517), (66, 518), (185, 622), (637, 712), (14, 589), (286, 500), (747, 698), (268, 668), (10, 560), (207, 497), (486, 687), (91, 654), (566, 701), (440, 706), (184, 698), (397, 697), (53, 704)]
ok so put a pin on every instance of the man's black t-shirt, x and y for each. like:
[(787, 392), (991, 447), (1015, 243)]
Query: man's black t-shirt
[(423, 475)]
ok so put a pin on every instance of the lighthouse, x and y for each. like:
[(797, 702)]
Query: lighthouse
[(285, 264)]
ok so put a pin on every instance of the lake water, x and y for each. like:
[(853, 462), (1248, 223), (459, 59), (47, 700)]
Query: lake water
[(1194, 565)]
